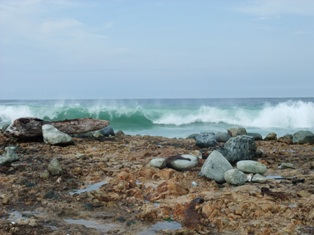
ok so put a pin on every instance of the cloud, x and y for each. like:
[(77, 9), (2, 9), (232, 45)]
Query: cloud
[(277, 7), (57, 25)]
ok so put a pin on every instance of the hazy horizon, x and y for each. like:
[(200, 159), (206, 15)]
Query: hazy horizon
[(122, 49)]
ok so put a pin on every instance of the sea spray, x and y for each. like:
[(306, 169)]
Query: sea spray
[(174, 117)]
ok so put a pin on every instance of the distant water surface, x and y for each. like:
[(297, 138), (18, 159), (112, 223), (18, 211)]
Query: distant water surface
[(174, 117)]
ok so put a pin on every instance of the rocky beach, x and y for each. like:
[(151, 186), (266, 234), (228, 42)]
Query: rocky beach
[(108, 185)]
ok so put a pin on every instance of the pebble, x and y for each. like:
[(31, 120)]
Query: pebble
[(257, 178)]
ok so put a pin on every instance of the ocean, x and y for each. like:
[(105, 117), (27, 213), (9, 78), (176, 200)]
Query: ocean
[(174, 117)]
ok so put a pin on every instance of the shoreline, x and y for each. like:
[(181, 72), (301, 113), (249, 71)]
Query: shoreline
[(136, 196)]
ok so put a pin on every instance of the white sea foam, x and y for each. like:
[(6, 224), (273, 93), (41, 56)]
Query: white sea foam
[(290, 114)]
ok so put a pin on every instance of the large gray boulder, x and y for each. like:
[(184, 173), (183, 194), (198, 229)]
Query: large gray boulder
[(205, 140), (235, 177), (303, 137), (55, 137), (215, 167), (239, 148)]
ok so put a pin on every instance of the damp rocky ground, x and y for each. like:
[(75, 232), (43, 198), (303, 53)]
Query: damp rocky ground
[(108, 187)]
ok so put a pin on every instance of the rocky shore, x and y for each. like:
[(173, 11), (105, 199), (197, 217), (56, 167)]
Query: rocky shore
[(107, 185)]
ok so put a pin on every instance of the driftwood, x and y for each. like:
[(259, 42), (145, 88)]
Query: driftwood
[(32, 127)]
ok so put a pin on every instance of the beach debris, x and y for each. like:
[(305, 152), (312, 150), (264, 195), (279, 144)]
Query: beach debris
[(235, 177), (9, 157), (55, 137), (215, 167), (191, 216), (239, 148), (286, 165), (275, 195), (250, 166), (30, 127)]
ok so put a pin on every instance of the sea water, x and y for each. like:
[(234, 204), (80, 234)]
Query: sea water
[(174, 117)]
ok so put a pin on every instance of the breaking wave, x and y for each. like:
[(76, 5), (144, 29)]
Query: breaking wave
[(151, 115)]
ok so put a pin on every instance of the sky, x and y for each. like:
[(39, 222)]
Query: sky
[(130, 49)]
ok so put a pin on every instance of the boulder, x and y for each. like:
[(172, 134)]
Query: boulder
[(233, 132), (30, 127), (205, 140), (303, 137), (10, 156), (249, 166), (271, 136), (55, 137), (222, 137), (235, 177), (287, 139), (215, 167), (239, 148)]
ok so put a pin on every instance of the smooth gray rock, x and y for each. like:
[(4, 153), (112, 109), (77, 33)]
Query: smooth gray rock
[(250, 166), (205, 140), (303, 137), (257, 178), (54, 167), (271, 136), (235, 177), (222, 137), (239, 148), (55, 137), (107, 131), (256, 136), (235, 131), (9, 157), (215, 167)]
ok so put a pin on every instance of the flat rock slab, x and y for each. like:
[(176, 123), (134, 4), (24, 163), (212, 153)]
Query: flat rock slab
[(30, 127)]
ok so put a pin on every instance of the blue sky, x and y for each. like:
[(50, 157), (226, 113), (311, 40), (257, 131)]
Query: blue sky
[(108, 49)]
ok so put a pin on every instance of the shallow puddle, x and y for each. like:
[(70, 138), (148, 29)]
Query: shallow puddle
[(92, 224), (274, 177), (165, 225), (89, 188)]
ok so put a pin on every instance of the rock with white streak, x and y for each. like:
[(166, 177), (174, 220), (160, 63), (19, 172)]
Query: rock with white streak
[(55, 137)]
